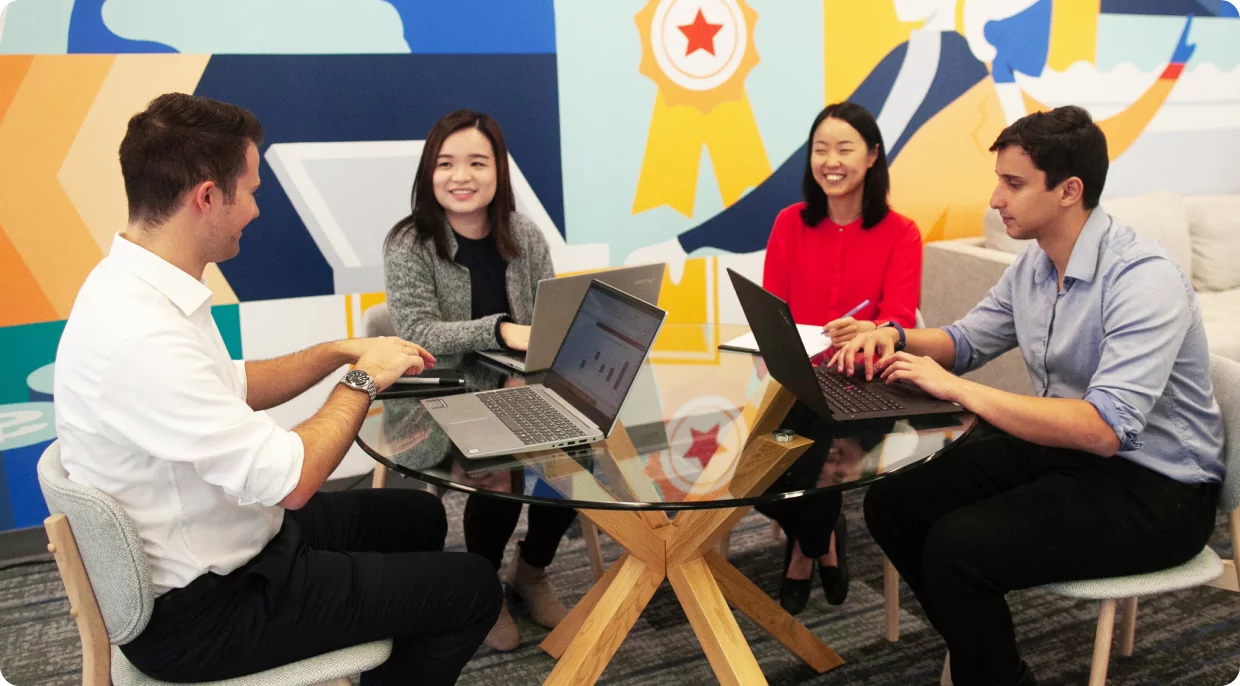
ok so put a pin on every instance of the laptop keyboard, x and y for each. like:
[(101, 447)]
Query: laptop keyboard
[(529, 415), (847, 397)]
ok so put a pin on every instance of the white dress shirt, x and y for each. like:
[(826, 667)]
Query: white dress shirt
[(151, 410)]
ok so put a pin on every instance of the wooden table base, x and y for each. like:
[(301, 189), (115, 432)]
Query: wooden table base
[(681, 551)]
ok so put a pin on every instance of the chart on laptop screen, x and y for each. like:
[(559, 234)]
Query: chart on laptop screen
[(604, 349)]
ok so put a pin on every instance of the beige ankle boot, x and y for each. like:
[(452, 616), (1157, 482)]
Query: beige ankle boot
[(531, 585), (504, 636)]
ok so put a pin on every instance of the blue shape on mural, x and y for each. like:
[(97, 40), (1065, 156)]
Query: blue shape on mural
[(26, 429), (316, 98), (491, 27), (1022, 42), (88, 33), (1174, 8)]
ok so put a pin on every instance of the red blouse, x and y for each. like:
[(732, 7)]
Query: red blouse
[(826, 270)]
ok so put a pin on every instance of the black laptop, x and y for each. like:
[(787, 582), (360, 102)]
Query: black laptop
[(830, 394)]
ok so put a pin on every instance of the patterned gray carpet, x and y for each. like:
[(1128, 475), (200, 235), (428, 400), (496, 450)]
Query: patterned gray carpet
[(1191, 637)]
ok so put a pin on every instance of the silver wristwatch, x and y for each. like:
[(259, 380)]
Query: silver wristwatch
[(361, 381)]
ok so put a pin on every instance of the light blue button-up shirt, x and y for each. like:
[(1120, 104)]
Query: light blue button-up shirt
[(1124, 334)]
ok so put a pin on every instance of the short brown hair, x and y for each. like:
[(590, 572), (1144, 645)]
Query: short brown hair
[(1062, 143), (178, 142)]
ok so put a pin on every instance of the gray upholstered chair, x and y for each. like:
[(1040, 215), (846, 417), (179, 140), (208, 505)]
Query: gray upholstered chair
[(1204, 570), (110, 595)]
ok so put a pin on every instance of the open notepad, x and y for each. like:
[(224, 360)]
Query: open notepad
[(811, 338)]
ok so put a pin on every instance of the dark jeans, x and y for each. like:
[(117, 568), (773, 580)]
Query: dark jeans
[(809, 520), (489, 523), (997, 514), (348, 568)]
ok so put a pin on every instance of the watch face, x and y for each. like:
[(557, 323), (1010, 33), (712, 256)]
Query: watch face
[(357, 377)]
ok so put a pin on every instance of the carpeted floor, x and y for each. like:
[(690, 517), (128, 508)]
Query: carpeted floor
[(1191, 637)]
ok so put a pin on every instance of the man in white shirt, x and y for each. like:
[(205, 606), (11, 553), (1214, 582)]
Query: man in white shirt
[(254, 568)]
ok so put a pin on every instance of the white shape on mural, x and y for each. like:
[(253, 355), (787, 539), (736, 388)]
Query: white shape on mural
[(350, 194)]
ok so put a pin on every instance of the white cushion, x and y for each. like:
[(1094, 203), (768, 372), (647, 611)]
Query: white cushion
[(996, 234), (1162, 216), (1220, 313), (1214, 224)]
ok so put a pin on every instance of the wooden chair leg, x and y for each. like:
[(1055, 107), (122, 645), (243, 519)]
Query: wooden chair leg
[(337, 682), (946, 678), (891, 601), (379, 480), (724, 544), (1102, 644), (1128, 630), (594, 548)]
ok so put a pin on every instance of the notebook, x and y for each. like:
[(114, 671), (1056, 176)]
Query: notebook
[(811, 337)]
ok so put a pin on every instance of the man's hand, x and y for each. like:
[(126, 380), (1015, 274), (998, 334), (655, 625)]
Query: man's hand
[(388, 358), (354, 348), (881, 341), (844, 330), (515, 336), (924, 372)]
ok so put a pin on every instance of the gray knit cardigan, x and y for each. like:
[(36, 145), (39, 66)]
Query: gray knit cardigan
[(429, 297)]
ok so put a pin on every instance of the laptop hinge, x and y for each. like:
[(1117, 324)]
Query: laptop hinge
[(569, 406)]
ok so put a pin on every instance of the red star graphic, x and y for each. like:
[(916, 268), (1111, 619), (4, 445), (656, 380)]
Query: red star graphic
[(705, 445), (701, 35)]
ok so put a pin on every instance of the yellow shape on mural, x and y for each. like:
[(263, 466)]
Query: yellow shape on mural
[(698, 52), (856, 36), (38, 129), (1074, 33), (23, 299)]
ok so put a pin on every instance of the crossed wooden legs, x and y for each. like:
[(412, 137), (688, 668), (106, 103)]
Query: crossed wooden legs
[(682, 551)]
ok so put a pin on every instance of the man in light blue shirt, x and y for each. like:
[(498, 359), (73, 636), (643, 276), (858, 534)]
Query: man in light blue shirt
[(1113, 470)]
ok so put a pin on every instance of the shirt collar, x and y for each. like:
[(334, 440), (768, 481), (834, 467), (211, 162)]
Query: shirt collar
[(186, 292), (1083, 262)]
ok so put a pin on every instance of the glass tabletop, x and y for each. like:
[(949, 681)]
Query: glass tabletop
[(679, 442)]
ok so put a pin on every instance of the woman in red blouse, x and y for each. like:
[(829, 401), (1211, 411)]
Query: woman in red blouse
[(842, 247)]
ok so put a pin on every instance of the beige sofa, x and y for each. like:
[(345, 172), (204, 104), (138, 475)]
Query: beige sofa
[(1202, 233)]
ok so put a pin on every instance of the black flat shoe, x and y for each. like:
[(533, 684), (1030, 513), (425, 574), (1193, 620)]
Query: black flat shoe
[(793, 593), (835, 579)]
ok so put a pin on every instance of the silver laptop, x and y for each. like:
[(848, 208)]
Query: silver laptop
[(557, 300), (606, 344)]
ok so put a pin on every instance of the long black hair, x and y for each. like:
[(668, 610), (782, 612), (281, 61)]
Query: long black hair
[(877, 182), (426, 219)]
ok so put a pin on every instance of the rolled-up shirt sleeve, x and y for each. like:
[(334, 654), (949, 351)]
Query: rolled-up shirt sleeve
[(988, 330), (1145, 318), (162, 392)]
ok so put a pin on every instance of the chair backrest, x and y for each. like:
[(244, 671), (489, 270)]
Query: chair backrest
[(109, 545), (921, 321), (377, 322), (1226, 377)]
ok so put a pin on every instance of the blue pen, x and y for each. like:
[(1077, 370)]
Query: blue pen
[(860, 306)]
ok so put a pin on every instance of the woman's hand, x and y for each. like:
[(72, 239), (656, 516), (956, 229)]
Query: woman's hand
[(515, 336), (844, 330)]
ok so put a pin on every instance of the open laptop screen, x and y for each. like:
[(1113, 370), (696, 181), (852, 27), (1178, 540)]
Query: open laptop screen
[(605, 346)]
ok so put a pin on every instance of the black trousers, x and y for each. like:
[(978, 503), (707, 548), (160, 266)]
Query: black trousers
[(997, 514), (489, 523), (810, 520), (348, 568)]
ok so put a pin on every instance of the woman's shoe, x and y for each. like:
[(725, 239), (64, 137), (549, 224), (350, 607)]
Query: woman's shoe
[(835, 579), (529, 586), (793, 593), (504, 636)]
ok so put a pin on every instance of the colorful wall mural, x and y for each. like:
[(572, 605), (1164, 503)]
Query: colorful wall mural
[(640, 130)]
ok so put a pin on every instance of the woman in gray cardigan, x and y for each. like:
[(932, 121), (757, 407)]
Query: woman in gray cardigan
[(461, 272)]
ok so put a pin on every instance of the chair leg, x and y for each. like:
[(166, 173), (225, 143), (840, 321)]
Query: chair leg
[(891, 601), (594, 548), (725, 544), (379, 480), (337, 682), (1102, 644), (1128, 630), (946, 678)]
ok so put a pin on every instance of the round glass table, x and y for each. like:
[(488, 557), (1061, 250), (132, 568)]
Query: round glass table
[(697, 435)]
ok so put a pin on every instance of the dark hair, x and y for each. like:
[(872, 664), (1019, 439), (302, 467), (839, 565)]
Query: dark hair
[(426, 219), (178, 142), (1063, 143), (877, 183)]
